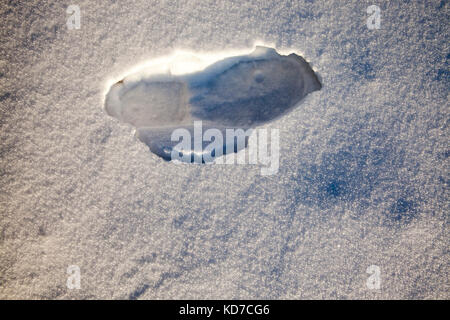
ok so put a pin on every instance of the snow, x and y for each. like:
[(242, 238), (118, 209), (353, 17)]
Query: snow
[(363, 172), (233, 93)]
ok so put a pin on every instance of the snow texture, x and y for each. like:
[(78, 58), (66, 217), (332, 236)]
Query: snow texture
[(238, 92), (364, 166)]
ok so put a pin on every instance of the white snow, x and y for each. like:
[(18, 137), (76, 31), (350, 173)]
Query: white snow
[(363, 177), (232, 93)]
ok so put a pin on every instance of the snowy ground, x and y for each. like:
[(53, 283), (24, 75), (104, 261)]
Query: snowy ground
[(364, 168)]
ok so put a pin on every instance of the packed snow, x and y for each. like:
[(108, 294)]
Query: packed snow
[(363, 180), (238, 93)]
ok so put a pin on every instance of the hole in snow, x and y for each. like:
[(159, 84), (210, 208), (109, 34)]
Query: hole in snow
[(231, 92)]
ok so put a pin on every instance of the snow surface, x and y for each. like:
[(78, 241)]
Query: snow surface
[(363, 176), (236, 92)]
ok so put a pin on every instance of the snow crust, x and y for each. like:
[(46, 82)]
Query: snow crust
[(235, 93), (363, 176)]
